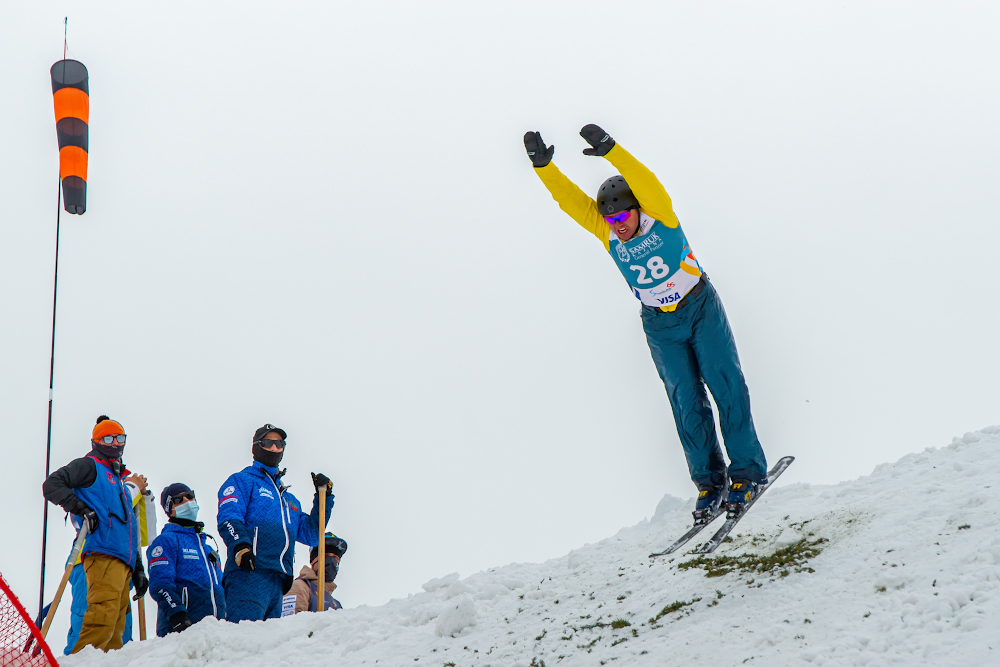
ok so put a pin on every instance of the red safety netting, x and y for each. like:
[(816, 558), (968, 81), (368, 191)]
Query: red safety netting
[(21, 643)]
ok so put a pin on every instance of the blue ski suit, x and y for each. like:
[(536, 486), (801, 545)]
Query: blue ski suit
[(256, 509), (185, 574)]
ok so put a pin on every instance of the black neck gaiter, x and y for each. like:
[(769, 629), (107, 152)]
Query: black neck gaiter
[(267, 458), (188, 523), (110, 451)]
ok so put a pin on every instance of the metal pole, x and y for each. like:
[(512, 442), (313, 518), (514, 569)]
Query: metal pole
[(52, 370)]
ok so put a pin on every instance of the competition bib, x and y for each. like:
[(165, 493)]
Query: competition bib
[(659, 265), (288, 605)]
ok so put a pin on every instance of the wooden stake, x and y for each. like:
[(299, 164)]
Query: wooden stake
[(321, 589), (141, 611), (77, 548)]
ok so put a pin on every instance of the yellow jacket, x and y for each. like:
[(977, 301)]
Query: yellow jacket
[(651, 195)]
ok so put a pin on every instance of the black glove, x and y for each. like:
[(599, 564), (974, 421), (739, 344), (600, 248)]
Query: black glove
[(537, 151), (598, 138), (139, 580), (180, 622), (90, 518), (244, 557), (320, 480)]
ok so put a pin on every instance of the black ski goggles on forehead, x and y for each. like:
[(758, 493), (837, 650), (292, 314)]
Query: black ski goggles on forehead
[(111, 439), (181, 497), (280, 444)]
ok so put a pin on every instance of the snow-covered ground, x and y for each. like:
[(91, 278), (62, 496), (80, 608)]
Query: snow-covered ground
[(908, 573)]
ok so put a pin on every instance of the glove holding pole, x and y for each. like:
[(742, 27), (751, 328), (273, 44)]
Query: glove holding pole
[(141, 584), (324, 488)]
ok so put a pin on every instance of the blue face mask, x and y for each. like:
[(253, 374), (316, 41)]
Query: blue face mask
[(188, 510)]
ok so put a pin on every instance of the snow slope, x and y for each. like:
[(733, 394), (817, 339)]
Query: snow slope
[(909, 574)]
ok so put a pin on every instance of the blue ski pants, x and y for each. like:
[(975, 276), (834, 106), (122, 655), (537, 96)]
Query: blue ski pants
[(693, 347), (254, 596)]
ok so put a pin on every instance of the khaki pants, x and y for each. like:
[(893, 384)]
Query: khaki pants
[(107, 602)]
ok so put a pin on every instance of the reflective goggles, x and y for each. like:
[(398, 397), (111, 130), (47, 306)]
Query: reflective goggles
[(181, 497), (109, 439), (618, 218), (267, 443)]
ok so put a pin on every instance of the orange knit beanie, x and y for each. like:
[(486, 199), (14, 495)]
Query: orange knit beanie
[(106, 426)]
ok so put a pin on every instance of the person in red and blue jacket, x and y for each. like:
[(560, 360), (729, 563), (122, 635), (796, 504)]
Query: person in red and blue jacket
[(260, 522), (92, 488), (185, 574)]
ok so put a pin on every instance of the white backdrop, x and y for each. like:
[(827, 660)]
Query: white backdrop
[(322, 216)]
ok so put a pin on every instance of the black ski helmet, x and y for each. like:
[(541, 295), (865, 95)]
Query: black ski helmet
[(615, 196)]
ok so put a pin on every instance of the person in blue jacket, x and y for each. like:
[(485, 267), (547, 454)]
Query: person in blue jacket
[(136, 486), (92, 487), (185, 572), (260, 522)]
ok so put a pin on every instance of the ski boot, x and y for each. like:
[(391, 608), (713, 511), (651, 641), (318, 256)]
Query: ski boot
[(741, 492), (709, 501)]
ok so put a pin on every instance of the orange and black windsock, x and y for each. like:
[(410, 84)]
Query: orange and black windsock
[(71, 96)]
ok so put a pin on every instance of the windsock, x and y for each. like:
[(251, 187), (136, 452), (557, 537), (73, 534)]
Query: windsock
[(71, 97)]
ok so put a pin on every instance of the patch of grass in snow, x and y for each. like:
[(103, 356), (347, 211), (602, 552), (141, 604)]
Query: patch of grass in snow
[(620, 623), (791, 557), (671, 608), (598, 624)]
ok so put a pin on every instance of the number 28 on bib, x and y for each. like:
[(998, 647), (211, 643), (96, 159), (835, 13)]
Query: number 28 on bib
[(659, 265)]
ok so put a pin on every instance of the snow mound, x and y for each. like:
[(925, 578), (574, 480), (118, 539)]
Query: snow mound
[(901, 567)]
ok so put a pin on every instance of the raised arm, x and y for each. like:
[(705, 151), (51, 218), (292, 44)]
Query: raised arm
[(652, 196), (307, 531), (571, 199)]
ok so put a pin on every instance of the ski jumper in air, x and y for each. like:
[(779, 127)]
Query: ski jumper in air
[(686, 327)]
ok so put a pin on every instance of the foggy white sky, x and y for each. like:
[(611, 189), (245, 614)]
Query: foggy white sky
[(321, 215)]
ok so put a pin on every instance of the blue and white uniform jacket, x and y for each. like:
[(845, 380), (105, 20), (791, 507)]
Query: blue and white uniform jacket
[(185, 574), (256, 509)]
